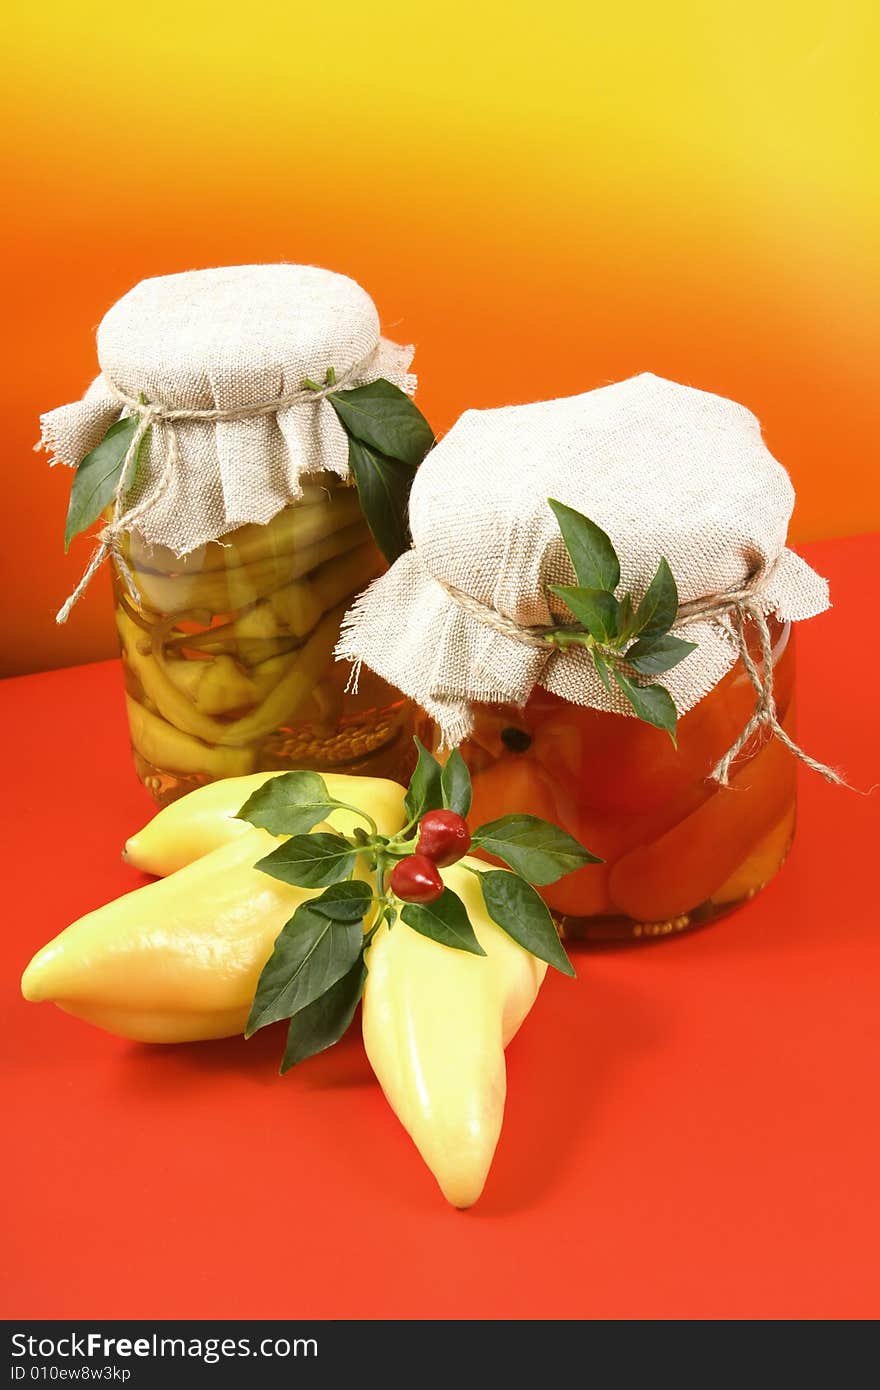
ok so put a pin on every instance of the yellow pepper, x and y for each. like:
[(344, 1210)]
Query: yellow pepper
[(436, 1022), (177, 960), (205, 818), (319, 513), (165, 746), (281, 701), (225, 590)]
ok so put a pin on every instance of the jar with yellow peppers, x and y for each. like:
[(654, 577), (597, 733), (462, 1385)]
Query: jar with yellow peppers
[(249, 445), (598, 610)]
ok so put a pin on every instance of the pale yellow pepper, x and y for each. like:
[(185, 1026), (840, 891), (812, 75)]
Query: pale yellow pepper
[(318, 513), (177, 960), (163, 745), (206, 818), (225, 590), (213, 687), (280, 703), (436, 1022)]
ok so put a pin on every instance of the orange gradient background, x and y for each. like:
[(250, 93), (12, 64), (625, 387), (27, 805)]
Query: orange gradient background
[(542, 200)]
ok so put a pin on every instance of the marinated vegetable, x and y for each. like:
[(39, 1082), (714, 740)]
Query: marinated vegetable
[(248, 450), (678, 849), (228, 653)]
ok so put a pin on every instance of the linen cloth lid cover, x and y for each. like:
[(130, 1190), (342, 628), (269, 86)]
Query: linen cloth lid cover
[(224, 338), (665, 469)]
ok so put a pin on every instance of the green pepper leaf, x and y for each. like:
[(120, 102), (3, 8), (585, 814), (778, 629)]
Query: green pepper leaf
[(312, 952), (539, 851), (97, 478), (426, 785), (592, 553), (322, 1023), (658, 652), (383, 486), (595, 609), (344, 902), (659, 608), (455, 782), (518, 910), (626, 618), (652, 703), (289, 804), (445, 921), (601, 666), (384, 418), (310, 861)]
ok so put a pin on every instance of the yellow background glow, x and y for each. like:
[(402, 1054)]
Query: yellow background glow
[(542, 199)]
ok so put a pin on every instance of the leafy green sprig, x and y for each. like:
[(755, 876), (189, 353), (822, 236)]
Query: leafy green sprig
[(388, 436), (98, 475), (626, 641), (317, 971)]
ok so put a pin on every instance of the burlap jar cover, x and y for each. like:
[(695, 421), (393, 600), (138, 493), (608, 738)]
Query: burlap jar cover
[(666, 470), (213, 363)]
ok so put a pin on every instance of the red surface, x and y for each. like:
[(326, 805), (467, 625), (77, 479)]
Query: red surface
[(691, 1127)]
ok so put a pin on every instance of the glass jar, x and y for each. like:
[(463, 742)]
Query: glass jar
[(229, 652), (679, 850)]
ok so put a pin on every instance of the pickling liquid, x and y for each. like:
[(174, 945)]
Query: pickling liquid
[(228, 653), (678, 850)]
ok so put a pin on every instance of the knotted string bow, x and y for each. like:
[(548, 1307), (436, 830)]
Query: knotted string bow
[(154, 415), (734, 609)]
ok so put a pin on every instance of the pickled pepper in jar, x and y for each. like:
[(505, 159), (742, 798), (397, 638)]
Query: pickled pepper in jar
[(598, 611), (251, 441)]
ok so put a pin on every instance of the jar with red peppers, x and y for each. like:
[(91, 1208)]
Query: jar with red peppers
[(677, 848), (598, 611)]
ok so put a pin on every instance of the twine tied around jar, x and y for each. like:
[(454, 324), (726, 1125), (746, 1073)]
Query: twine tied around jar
[(154, 414), (732, 610)]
